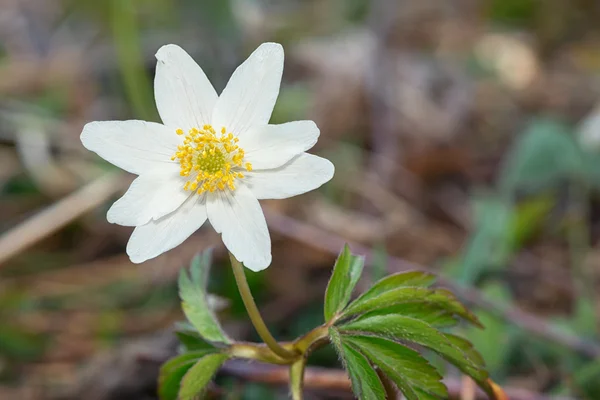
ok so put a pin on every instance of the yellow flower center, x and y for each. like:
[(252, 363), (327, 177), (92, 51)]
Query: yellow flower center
[(210, 161)]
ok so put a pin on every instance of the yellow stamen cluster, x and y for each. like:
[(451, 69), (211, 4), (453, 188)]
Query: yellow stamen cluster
[(211, 161)]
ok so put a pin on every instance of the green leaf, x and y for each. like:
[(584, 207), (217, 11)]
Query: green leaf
[(447, 300), (419, 309), (173, 371), (191, 340), (412, 373), (193, 299), (346, 272), (401, 300), (365, 382), (386, 299), (197, 377), (440, 309), (475, 358), (467, 348), (336, 340), (398, 327), (366, 385), (395, 281)]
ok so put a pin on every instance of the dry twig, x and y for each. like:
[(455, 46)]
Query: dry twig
[(59, 214)]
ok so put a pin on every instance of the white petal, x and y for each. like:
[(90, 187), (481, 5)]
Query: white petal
[(135, 146), (238, 217), (250, 95), (156, 237), (150, 196), (304, 173), (184, 96), (271, 146)]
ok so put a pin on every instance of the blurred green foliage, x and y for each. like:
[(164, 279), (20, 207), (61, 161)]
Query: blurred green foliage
[(513, 12), (545, 163), (124, 24)]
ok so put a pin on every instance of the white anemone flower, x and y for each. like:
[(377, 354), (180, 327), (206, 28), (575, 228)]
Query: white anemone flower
[(212, 158)]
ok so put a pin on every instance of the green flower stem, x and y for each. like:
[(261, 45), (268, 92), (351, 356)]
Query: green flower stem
[(297, 378), (258, 352), (254, 314), (313, 339), (301, 346)]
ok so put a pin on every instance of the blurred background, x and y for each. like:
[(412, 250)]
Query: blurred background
[(466, 139)]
